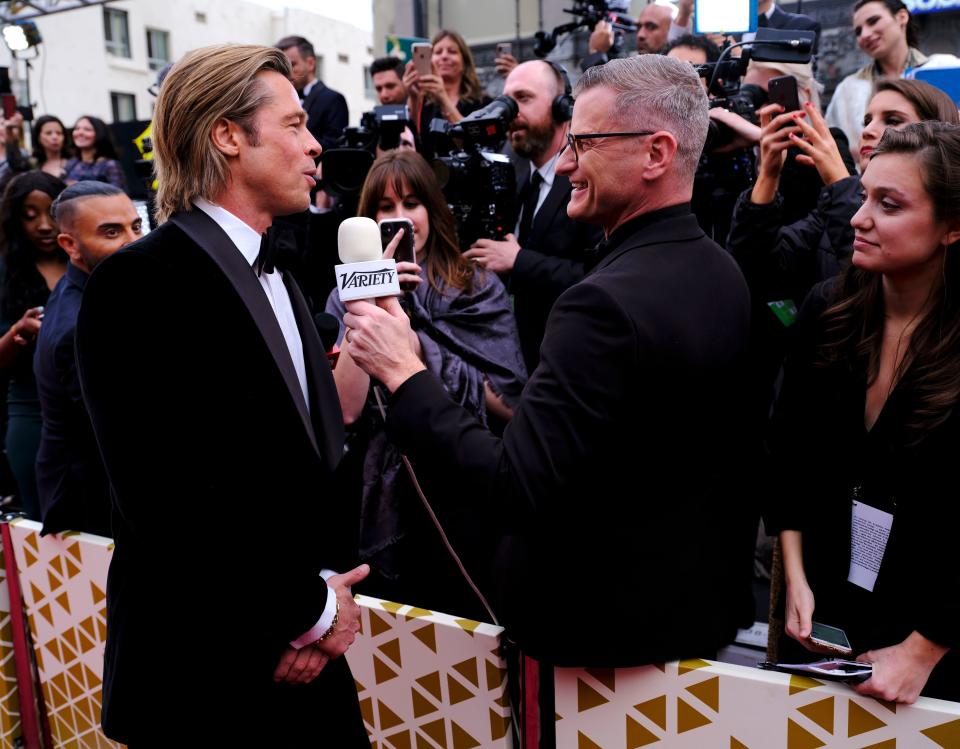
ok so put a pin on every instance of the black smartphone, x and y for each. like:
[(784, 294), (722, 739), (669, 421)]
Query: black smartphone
[(406, 250), (832, 638), (9, 105), (783, 91)]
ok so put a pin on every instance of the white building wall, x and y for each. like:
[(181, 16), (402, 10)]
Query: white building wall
[(74, 74)]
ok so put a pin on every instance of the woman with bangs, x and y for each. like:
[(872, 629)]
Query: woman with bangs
[(466, 335), (867, 428)]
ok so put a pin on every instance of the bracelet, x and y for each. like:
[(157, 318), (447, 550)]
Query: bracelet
[(333, 624)]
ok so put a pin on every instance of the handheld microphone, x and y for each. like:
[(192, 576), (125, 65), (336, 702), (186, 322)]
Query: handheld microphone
[(364, 273)]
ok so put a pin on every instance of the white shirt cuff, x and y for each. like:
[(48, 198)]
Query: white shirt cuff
[(326, 618)]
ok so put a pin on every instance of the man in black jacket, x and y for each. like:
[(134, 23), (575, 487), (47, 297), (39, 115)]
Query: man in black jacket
[(549, 252), (327, 112), (220, 428), (624, 538), (95, 219)]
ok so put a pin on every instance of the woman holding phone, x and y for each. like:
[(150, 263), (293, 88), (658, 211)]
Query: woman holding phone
[(452, 90), (465, 333), (868, 426)]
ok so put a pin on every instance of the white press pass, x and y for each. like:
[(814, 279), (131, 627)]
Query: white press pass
[(869, 531), (367, 280)]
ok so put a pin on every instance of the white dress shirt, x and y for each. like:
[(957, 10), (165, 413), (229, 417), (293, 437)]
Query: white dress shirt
[(247, 242)]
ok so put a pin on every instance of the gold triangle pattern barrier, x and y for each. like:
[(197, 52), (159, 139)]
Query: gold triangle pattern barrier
[(429, 680), (696, 704), (9, 697), (63, 579)]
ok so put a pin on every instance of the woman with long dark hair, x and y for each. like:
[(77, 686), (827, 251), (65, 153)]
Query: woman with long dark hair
[(466, 334), (33, 263), (867, 430), (96, 156), (887, 32), (51, 147)]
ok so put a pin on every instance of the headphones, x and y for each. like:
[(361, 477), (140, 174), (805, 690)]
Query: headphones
[(562, 106)]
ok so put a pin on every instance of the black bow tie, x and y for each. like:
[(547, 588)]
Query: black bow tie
[(277, 245)]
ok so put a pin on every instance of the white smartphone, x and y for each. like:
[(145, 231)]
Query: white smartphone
[(832, 638), (423, 58)]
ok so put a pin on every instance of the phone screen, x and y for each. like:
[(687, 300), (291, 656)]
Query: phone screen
[(725, 16), (406, 250), (829, 635)]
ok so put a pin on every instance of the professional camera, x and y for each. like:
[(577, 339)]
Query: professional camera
[(345, 167), (478, 183), (588, 14)]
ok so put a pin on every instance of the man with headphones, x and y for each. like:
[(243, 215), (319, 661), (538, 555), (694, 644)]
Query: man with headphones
[(548, 252)]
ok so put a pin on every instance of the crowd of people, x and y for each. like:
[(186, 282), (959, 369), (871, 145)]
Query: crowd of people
[(779, 340)]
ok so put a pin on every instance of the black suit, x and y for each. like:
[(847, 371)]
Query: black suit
[(327, 114), (623, 543), (557, 254), (218, 473)]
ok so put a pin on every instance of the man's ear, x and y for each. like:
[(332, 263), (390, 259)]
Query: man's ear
[(662, 147), (70, 245), (226, 136)]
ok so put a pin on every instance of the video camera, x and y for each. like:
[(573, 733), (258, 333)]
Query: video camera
[(345, 167), (588, 14), (478, 183), (769, 45)]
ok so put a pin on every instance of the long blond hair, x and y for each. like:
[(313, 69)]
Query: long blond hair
[(206, 85)]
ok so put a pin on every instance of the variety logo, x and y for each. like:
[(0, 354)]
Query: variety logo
[(364, 278)]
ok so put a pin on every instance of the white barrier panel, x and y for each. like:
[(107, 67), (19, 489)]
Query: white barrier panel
[(64, 582), (9, 696), (429, 680), (703, 705)]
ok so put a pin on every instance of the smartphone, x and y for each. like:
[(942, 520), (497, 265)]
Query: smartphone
[(9, 105), (423, 58), (504, 48), (783, 91), (406, 250), (830, 637)]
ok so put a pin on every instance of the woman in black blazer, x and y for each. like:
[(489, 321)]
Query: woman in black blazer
[(867, 429)]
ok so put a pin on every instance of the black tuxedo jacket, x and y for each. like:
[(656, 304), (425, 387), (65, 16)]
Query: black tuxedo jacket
[(218, 469), (327, 114), (558, 253), (623, 541)]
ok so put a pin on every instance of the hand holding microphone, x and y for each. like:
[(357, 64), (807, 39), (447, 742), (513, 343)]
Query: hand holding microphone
[(364, 272)]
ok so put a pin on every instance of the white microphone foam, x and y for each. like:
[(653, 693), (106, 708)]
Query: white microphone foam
[(358, 240)]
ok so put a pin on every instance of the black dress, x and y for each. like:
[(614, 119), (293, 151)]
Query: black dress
[(824, 458)]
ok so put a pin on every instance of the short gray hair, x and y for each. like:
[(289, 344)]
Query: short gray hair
[(655, 92)]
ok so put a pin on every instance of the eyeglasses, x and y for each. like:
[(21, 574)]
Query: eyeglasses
[(573, 139)]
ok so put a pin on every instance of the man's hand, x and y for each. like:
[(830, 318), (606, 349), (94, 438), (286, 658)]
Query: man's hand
[(300, 666), (348, 619), (684, 13), (497, 256), (900, 672), (504, 64), (379, 338), (601, 39)]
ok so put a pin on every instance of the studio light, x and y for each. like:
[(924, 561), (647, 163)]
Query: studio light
[(21, 36)]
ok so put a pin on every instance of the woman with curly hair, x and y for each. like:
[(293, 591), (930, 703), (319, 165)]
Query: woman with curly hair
[(33, 263)]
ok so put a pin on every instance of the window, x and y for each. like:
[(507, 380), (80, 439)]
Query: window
[(158, 48), (116, 31), (199, 17), (319, 71), (124, 107), (343, 59), (368, 89)]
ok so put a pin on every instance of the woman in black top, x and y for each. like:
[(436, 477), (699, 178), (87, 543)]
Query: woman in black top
[(867, 429), (33, 263), (453, 90)]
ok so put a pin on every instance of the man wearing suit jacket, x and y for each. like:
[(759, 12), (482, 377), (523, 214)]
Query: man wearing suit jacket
[(768, 15), (326, 109), (219, 425), (549, 251), (624, 539), (95, 219)]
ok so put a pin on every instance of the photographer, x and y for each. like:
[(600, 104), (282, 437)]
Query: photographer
[(550, 251), (652, 30), (387, 75)]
